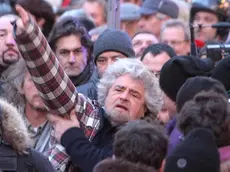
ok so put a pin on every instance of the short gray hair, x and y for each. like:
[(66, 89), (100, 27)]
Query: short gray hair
[(137, 70), (177, 23)]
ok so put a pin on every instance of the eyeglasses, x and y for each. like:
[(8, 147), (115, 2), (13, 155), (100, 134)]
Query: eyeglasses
[(174, 42)]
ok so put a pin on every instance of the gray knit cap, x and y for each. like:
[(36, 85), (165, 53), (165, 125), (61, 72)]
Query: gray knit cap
[(113, 40)]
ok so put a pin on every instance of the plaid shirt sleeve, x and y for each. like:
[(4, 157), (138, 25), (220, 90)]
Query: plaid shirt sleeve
[(53, 84), (51, 81), (55, 87)]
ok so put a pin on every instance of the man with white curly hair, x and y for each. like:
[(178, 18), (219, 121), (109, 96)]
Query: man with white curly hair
[(85, 128)]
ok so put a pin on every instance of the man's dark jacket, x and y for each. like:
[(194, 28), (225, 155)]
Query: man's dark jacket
[(77, 145)]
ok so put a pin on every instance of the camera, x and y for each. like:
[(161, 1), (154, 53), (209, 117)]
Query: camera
[(217, 51)]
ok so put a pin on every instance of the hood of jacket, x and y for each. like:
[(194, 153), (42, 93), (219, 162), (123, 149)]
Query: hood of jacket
[(13, 127)]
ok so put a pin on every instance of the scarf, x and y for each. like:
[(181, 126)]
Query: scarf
[(83, 77)]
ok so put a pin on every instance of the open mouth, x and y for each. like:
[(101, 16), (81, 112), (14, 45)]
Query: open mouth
[(122, 107)]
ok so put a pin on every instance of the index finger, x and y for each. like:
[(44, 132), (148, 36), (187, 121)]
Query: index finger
[(22, 13)]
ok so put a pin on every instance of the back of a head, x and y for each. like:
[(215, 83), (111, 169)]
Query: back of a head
[(178, 69), (194, 85), (88, 24), (78, 13), (184, 9), (168, 8), (158, 48), (40, 9), (197, 153), (208, 109), (117, 165), (129, 12), (98, 30), (131, 143), (82, 17)]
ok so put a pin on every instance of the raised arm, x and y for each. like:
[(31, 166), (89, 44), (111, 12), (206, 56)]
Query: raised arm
[(53, 84)]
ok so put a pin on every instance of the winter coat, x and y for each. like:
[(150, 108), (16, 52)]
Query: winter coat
[(77, 145), (174, 134), (17, 138), (89, 89)]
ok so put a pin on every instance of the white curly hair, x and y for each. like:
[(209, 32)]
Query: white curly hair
[(137, 70)]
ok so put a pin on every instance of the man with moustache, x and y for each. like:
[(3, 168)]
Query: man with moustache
[(85, 128), (9, 53), (207, 13), (107, 49)]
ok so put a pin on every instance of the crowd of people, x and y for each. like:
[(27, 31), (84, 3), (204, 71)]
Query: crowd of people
[(79, 96)]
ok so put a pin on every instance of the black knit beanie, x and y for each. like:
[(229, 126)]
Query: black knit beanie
[(221, 72), (178, 69), (197, 153), (194, 85), (113, 40)]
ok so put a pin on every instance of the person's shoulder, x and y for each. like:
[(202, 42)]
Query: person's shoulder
[(40, 162), (88, 89), (85, 86)]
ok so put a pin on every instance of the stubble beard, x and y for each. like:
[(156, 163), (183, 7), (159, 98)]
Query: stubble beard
[(116, 117)]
